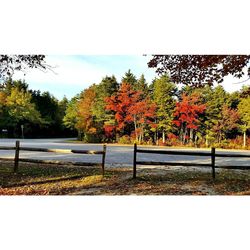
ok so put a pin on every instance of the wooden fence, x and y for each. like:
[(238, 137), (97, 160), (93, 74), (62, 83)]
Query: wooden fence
[(211, 154), (18, 148)]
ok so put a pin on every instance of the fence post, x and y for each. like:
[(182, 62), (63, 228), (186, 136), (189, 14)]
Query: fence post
[(16, 156), (103, 158), (134, 163), (213, 161)]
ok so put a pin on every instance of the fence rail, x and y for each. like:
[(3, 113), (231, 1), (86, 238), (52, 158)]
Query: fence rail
[(17, 159), (172, 152), (211, 154)]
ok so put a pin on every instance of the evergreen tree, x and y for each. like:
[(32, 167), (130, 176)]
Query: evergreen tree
[(70, 118), (9, 83), (107, 87), (215, 99), (164, 93), (129, 78), (141, 85), (244, 111)]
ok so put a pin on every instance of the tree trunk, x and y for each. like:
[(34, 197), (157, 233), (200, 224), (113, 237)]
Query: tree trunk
[(206, 140), (140, 136), (163, 136), (142, 133), (191, 135), (220, 135), (195, 140), (79, 135), (244, 139), (136, 135), (184, 135), (157, 137), (181, 134)]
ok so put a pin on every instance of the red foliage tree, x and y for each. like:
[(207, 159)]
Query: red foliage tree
[(109, 130), (120, 104), (200, 70), (129, 107), (186, 114), (141, 114)]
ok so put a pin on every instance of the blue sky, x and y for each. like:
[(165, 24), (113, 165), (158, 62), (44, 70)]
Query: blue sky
[(73, 73)]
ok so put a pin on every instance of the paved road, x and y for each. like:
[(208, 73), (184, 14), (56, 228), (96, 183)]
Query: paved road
[(116, 155)]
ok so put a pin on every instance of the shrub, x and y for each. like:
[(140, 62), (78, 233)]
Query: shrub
[(124, 140), (91, 138)]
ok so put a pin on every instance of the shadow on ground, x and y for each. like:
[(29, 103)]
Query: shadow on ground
[(42, 179)]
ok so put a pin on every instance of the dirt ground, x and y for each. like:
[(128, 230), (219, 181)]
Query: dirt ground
[(42, 179)]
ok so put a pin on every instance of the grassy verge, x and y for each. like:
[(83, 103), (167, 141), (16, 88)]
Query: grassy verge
[(42, 179)]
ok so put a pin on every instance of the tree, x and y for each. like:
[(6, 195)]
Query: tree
[(62, 106), (141, 85), (245, 92), (21, 110), (131, 108), (3, 109), (164, 92), (120, 104), (47, 105), (50, 109), (85, 117), (9, 84), (3, 97), (244, 111), (200, 70), (102, 117), (228, 121), (70, 118), (214, 99), (107, 87), (186, 114), (141, 113), (52, 112), (129, 78), (10, 63)]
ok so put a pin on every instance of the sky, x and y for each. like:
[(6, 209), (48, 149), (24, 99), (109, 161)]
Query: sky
[(73, 73)]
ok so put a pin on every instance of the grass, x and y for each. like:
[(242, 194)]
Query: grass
[(42, 179)]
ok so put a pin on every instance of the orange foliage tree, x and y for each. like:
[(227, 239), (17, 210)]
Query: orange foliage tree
[(85, 122)]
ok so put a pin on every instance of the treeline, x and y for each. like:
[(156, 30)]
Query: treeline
[(159, 113), (29, 113)]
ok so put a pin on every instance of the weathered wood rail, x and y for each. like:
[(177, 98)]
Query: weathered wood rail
[(17, 159), (211, 154)]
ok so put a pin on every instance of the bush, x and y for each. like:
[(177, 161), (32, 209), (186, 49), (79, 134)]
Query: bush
[(236, 143), (91, 138), (124, 140)]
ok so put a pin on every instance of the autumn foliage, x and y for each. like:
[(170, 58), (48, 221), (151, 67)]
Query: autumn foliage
[(160, 113), (85, 121), (130, 108), (187, 113)]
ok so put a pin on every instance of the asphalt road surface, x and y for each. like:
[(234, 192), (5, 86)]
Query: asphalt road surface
[(116, 155)]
